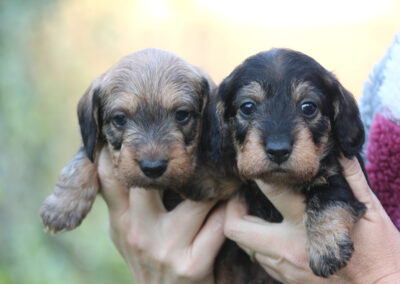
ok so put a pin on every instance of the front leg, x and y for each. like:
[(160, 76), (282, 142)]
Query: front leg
[(331, 212), (73, 195)]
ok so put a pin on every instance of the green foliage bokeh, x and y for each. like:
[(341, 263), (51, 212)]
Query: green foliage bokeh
[(38, 135)]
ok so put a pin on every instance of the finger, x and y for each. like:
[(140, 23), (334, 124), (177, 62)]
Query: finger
[(274, 273), (264, 237), (189, 215), (209, 240), (145, 205), (265, 260), (356, 179), (114, 193), (290, 203), (292, 265), (273, 266)]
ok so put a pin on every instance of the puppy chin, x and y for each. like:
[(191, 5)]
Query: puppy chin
[(278, 176), (145, 184), (160, 183), (281, 175)]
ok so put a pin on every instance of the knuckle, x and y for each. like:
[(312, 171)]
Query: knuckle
[(163, 255), (181, 270), (136, 241), (187, 270), (297, 259), (231, 230)]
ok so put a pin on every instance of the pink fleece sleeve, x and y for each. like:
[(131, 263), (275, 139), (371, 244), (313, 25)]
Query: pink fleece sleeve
[(383, 153)]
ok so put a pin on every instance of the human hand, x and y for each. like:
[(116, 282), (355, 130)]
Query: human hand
[(280, 248), (179, 246)]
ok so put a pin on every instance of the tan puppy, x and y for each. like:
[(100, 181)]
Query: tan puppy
[(146, 110)]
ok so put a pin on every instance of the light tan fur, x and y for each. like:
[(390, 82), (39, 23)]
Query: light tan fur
[(252, 91)]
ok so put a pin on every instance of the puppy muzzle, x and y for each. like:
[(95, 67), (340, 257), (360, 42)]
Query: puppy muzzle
[(278, 148), (153, 168)]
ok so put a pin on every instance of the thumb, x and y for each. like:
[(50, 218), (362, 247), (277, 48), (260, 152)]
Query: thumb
[(356, 179), (114, 193)]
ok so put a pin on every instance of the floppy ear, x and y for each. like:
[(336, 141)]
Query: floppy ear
[(207, 85), (216, 122), (89, 119), (347, 126), (205, 90)]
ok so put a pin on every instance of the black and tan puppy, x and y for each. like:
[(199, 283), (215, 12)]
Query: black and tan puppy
[(147, 111), (288, 120)]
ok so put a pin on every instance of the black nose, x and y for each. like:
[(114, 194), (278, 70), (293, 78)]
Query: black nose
[(278, 151), (153, 169)]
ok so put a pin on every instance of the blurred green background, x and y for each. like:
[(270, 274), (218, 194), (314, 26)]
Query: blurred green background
[(51, 50), (38, 135)]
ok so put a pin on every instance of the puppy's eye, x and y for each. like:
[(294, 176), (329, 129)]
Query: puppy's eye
[(119, 121), (309, 109), (247, 109), (182, 116)]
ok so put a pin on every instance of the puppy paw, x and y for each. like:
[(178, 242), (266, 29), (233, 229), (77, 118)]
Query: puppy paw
[(60, 213), (330, 253), (329, 244), (73, 195)]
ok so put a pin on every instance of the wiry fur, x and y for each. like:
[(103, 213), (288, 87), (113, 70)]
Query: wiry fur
[(73, 197), (279, 144), (148, 87)]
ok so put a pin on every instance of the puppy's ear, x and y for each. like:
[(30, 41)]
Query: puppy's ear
[(347, 126), (217, 121), (90, 119), (206, 86), (205, 91)]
